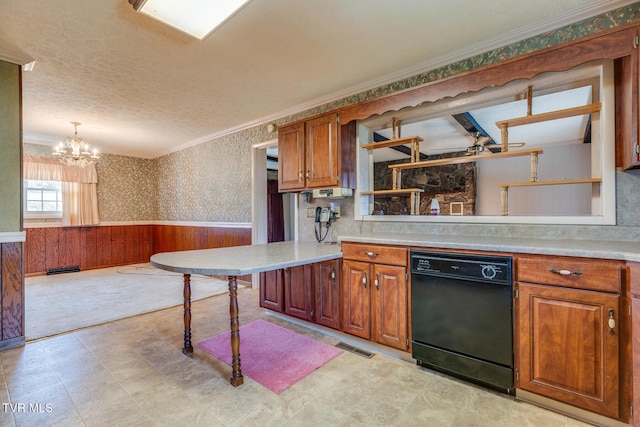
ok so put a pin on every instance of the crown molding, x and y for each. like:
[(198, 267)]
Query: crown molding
[(34, 138), (15, 58)]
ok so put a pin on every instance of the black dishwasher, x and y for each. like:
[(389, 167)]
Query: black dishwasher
[(462, 316)]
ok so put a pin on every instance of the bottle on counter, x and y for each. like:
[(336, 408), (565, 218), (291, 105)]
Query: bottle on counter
[(435, 207)]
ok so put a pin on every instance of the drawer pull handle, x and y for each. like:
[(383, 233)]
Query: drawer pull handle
[(375, 282), (565, 272), (372, 254), (612, 322), (364, 280)]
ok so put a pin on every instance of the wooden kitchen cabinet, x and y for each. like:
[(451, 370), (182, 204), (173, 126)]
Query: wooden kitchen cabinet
[(312, 155), (634, 288), (298, 292), (375, 297), (568, 331), (291, 151), (627, 93), (272, 290), (309, 292), (326, 281)]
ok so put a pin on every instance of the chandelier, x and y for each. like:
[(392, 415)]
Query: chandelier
[(75, 152)]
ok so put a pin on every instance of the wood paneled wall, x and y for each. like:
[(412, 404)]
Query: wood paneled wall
[(11, 283), (109, 246)]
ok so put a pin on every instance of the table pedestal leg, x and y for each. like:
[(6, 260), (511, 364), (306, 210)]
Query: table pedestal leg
[(236, 373), (188, 348)]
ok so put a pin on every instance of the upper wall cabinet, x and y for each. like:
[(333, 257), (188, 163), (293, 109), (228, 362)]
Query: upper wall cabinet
[(315, 153)]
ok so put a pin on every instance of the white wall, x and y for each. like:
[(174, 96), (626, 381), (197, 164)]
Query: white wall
[(567, 161)]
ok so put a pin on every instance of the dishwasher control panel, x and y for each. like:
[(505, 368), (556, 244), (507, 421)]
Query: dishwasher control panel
[(494, 269)]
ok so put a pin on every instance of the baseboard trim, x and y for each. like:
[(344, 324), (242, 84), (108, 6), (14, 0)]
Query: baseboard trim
[(568, 410), (12, 343)]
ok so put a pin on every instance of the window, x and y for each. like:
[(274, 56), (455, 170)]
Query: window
[(43, 199), (566, 117)]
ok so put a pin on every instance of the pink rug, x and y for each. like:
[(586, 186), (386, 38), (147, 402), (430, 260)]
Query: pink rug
[(272, 355)]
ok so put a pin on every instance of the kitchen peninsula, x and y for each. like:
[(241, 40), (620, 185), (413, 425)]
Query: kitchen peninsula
[(233, 262)]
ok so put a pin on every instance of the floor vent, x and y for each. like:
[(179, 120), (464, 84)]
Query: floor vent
[(60, 270), (356, 350)]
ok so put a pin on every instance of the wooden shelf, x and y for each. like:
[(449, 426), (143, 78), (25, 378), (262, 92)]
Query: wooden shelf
[(414, 141), (557, 182), (467, 159), (504, 196), (391, 192), (553, 115), (411, 192), (391, 142)]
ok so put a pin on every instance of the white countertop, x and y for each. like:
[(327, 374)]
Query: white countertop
[(626, 251), (241, 260)]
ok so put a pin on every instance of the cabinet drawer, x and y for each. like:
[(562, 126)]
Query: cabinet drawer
[(378, 254), (634, 278), (579, 273)]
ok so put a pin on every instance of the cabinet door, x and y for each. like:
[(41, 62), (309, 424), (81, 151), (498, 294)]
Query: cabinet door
[(272, 290), (291, 154), (635, 333), (322, 160), (297, 291), (566, 350), (390, 306), (356, 299), (327, 293)]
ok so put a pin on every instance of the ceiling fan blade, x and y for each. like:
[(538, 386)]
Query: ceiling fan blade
[(497, 148), (444, 150), (483, 140)]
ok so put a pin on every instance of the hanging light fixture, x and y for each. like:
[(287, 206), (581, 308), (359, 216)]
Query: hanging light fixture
[(75, 152)]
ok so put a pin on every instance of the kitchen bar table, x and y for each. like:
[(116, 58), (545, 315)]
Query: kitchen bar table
[(233, 262)]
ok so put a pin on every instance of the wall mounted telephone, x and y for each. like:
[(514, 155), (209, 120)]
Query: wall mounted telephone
[(322, 214)]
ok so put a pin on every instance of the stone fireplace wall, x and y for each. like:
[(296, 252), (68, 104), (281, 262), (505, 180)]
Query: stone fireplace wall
[(447, 184)]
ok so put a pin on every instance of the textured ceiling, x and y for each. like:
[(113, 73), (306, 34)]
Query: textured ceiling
[(143, 89)]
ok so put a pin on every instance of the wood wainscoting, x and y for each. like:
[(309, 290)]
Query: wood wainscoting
[(11, 283), (114, 245)]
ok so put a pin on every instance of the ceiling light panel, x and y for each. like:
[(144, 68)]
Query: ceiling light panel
[(198, 18)]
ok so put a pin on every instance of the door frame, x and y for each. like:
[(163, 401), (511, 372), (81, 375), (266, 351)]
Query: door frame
[(259, 200)]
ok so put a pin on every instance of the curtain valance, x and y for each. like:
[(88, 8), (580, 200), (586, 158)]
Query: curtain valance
[(50, 169)]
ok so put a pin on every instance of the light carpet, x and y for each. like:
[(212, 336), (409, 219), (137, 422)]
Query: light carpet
[(271, 355), (65, 302)]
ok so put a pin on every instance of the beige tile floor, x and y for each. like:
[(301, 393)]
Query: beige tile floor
[(131, 372)]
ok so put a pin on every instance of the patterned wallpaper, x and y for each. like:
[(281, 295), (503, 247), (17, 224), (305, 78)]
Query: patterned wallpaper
[(208, 182), (127, 186), (212, 181)]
